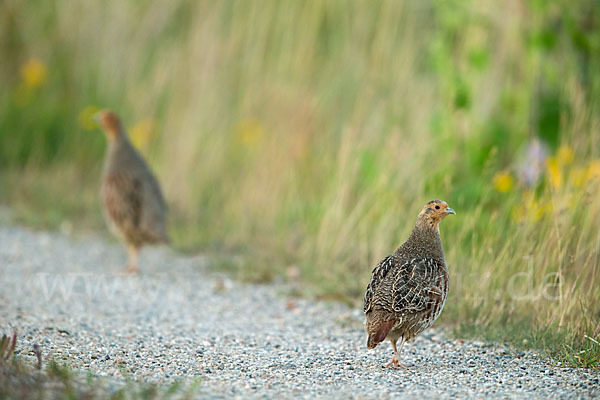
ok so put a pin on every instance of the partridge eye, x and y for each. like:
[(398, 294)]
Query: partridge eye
[(437, 207)]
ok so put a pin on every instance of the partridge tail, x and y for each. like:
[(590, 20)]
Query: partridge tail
[(379, 335)]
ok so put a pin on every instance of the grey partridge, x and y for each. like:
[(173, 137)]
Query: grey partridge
[(134, 206), (408, 289)]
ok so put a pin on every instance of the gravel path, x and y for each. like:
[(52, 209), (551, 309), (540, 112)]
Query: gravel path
[(179, 322)]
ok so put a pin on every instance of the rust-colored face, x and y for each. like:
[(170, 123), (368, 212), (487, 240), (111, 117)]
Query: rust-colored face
[(435, 211), (109, 121)]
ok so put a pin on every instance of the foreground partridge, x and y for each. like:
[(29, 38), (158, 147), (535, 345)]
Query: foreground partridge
[(408, 289), (133, 203)]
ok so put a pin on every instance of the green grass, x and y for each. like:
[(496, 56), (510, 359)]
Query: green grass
[(309, 135)]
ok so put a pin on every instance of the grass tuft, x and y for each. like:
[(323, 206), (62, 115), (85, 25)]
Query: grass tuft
[(587, 355)]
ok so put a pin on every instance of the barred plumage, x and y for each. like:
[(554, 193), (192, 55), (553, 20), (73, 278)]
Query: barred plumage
[(133, 204), (408, 289), (379, 273)]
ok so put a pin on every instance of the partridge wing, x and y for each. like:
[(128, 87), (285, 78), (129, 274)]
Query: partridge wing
[(378, 275), (123, 200), (418, 286)]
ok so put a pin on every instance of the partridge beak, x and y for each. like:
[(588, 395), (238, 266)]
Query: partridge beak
[(96, 117), (450, 211)]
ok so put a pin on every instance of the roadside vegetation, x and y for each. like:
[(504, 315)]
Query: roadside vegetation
[(304, 137)]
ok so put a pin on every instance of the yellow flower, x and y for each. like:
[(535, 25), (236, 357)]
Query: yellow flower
[(141, 133), (503, 182), (564, 155), (554, 173), (34, 73), (250, 132), (86, 118)]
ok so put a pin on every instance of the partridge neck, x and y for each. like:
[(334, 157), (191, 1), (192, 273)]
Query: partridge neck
[(424, 241)]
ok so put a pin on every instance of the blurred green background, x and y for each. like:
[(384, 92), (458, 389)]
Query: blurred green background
[(303, 137)]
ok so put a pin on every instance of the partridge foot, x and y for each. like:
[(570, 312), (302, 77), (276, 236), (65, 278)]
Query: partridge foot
[(395, 363), (132, 270)]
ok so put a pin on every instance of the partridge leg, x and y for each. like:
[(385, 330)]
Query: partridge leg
[(132, 268), (395, 362)]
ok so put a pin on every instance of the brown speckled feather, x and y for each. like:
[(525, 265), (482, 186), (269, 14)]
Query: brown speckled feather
[(419, 285), (377, 276)]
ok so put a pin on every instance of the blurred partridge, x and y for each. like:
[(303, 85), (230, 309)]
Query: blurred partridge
[(408, 289), (134, 206)]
